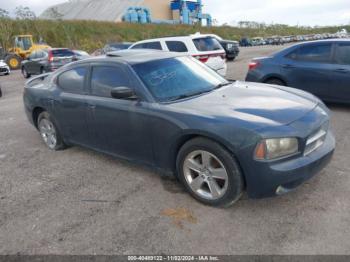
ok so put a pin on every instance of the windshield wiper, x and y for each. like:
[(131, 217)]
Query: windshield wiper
[(222, 85)]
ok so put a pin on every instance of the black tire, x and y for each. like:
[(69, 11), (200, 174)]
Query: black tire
[(15, 57), (275, 81), (25, 73), (59, 145), (235, 180)]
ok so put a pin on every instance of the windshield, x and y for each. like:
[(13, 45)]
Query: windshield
[(176, 78)]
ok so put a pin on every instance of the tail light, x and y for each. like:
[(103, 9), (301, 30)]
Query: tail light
[(253, 65), (205, 58), (50, 56)]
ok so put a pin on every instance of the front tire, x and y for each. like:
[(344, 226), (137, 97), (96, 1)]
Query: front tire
[(49, 132), (209, 173)]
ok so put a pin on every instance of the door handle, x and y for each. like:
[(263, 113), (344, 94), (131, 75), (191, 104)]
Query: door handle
[(288, 66), (341, 70), (92, 106)]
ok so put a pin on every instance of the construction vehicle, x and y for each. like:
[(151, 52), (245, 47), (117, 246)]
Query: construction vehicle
[(23, 46)]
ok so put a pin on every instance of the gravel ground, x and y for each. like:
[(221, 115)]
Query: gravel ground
[(81, 202)]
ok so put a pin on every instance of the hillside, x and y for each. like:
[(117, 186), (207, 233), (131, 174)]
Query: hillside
[(91, 35)]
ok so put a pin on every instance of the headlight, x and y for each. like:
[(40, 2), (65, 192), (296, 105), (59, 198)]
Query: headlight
[(269, 149)]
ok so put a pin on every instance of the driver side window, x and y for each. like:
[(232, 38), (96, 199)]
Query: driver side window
[(105, 78)]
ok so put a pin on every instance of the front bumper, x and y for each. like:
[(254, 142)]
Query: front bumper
[(4, 70), (281, 177)]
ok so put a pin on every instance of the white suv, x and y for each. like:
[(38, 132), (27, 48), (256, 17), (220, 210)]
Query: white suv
[(203, 47)]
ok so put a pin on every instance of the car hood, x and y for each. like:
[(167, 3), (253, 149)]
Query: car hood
[(258, 104)]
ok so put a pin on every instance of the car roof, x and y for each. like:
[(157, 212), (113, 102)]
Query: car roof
[(173, 38), (134, 56)]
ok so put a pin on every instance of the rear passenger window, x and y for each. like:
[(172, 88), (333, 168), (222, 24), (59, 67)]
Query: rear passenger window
[(207, 44), (176, 46), (315, 53), (105, 78), (72, 81), (154, 45), (151, 45), (343, 54)]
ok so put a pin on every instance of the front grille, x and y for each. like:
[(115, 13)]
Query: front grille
[(3, 70), (316, 140)]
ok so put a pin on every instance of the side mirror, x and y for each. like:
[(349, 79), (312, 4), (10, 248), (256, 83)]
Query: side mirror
[(122, 92), (28, 58)]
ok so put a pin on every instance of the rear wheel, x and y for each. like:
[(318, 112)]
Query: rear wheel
[(25, 72), (209, 173), (49, 132), (14, 61), (275, 81)]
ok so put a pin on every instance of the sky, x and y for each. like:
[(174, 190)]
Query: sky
[(292, 12)]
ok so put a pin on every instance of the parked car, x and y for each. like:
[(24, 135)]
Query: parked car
[(205, 48), (320, 67), (244, 42), (180, 117), (46, 60), (80, 54), (111, 47), (4, 68), (231, 47), (257, 41)]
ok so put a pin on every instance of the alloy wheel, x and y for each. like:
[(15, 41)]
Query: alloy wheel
[(206, 175), (48, 133)]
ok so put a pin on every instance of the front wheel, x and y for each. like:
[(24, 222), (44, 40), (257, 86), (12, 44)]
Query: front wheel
[(49, 132), (210, 173)]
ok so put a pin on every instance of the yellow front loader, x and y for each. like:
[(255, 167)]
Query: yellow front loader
[(23, 46)]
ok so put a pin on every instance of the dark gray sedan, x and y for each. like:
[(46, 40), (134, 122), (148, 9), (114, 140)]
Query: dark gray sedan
[(320, 67), (175, 114), (46, 60)]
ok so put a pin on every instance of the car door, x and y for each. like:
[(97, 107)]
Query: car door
[(118, 126), (39, 62), (70, 107), (340, 90), (30, 63), (310, 68)]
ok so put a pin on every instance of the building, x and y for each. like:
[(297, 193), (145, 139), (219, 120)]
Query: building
[(105, 10), (134, 11)]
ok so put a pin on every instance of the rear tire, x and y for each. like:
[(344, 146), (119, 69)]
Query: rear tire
[(25, 73), (275, 81), (49, 132), (209, 173)]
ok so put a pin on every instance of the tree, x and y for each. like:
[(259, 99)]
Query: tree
[(24, 13), (6, 28), (4, 13)]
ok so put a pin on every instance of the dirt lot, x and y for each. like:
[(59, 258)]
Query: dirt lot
[(81, 202)]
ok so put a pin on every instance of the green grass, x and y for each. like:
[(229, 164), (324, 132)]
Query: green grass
[(91, 35)]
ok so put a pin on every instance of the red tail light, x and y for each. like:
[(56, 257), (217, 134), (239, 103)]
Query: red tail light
[(253, 65), (50, 56), (205, 58), (202, 58)]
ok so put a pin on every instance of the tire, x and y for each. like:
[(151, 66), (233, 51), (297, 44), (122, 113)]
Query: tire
[(49, 132), (25, 73), (275, 81), (220, 173), (13, 61)]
